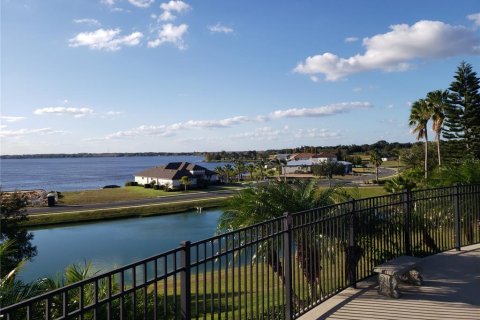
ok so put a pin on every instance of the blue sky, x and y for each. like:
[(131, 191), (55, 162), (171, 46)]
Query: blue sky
[(151, 75)]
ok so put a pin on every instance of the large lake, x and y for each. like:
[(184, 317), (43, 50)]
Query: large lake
[(114, 243), (67, 174)]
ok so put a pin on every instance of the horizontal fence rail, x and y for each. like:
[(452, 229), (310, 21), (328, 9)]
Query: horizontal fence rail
[(278, 269)]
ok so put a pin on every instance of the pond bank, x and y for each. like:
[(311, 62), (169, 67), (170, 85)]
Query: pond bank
[(70, 216)]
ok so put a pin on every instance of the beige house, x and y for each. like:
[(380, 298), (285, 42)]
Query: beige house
[(171, 174)]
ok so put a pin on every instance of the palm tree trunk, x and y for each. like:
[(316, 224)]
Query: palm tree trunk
[(438, 150), (376, 172), (426, 154)]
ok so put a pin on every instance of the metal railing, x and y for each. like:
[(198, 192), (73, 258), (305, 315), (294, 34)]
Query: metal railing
[(278, 269)]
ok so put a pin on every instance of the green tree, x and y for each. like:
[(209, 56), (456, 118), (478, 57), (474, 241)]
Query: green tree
[(12, 213), (251, 170), (438, 102), (328, 169), (239, 169), (229, 171), (185, 181), (420, 114), (376, 160), (462, 116)]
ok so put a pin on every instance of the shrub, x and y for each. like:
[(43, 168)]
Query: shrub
[(131, 184), (156, 187), (147, 186)]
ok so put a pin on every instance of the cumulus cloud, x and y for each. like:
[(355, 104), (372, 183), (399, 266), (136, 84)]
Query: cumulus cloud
[(11, 118), (321, 111), (88, 22), (141, 3), (396, 50), (170, 7), (351, 39), (105, 39), (75, 112), (219, 28), (475, 18), (26, 132), (170, 34), (175, 5)]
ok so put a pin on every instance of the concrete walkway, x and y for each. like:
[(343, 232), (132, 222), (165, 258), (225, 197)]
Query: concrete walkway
[(451, 291)]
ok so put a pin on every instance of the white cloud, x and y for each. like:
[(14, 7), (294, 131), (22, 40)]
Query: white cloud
[(315, 133), (351, 39), (475, 18), (11, 118), (169, 130), (264, 133), (357, 89), (219, 28), (25, 132), (170, 7), (76, 112), (141, 3), (396, 50), (108, 2), (175, 5), (390, 106), (170, 34), (105, 39), (321, 111), (167, 16), (89, 22)]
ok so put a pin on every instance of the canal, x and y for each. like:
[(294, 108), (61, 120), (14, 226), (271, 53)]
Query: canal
[(114, 243)]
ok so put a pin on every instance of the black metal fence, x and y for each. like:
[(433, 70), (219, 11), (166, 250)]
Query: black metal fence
[(278, 269)]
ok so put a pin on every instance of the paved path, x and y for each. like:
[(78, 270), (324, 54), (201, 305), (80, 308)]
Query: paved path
[(131, 203), (451, 291)]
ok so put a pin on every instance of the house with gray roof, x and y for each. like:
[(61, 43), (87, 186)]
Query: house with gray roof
[(171, 174)]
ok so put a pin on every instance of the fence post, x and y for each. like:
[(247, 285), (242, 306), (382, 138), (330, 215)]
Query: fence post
[(456, 216), (351, 250), (407, 220), (287, 256), (185, 292)]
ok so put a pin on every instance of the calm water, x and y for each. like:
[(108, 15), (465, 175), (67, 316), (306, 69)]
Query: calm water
[(68, 174), (114, 243)]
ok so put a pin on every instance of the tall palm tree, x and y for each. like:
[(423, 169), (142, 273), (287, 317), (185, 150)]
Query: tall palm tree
[(438, 102), (261, 167), (376, 160), (239, 169), (228, 171), (251, 169), (420, 114)]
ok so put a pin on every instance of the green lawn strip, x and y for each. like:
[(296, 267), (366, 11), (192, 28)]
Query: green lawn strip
[(124, 212), (363, 192), (125, 194)]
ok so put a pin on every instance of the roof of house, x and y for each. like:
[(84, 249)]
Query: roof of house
[(304, 155), (173, 171)]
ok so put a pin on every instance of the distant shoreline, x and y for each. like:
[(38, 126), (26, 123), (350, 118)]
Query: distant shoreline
[(99, 155)]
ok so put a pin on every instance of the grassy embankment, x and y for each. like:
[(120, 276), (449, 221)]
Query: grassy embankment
[(124, 212), (132, 193)]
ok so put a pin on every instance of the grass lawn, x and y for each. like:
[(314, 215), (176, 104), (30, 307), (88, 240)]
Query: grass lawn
[(122, 194)]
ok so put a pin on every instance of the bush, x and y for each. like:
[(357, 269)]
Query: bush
[(147, 186), (131, 184), (156, 187)]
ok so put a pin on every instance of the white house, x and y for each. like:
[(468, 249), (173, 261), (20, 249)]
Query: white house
[(298, 166), (324, 157), (172, 173)]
